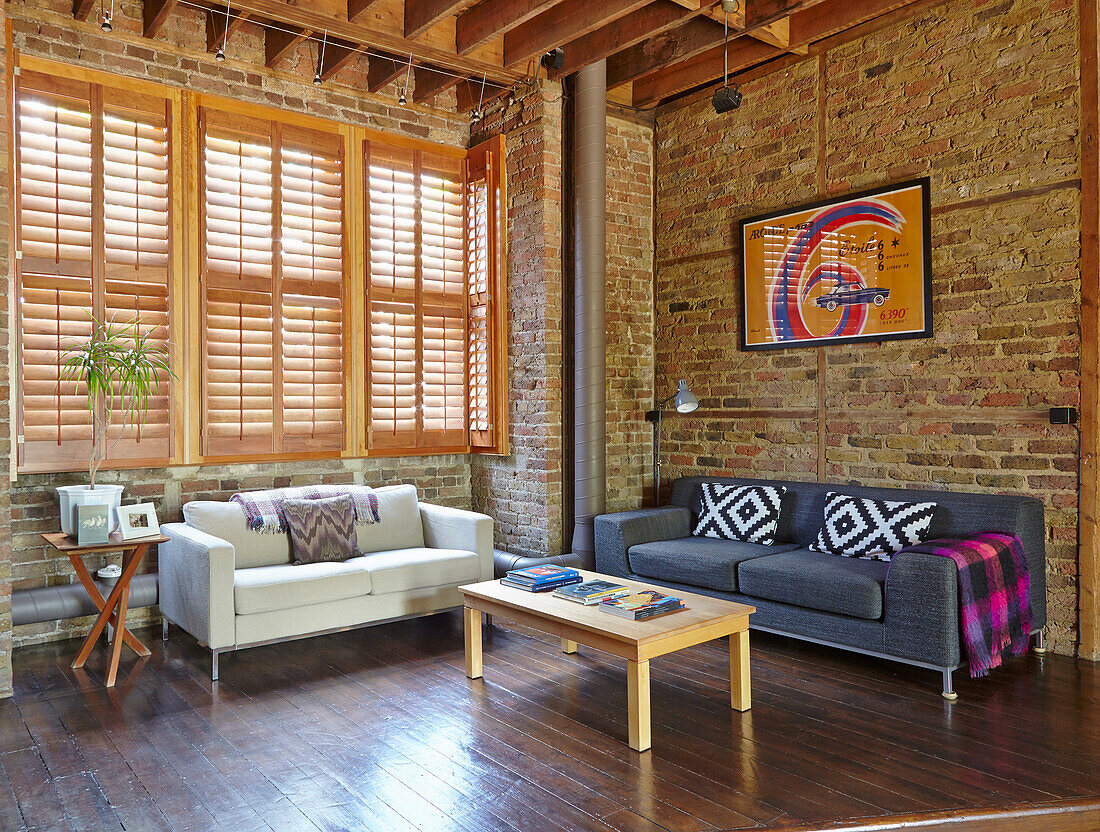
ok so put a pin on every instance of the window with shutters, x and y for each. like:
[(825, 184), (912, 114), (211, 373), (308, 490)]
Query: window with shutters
[(417, 290), (93, 235), (273, 288)]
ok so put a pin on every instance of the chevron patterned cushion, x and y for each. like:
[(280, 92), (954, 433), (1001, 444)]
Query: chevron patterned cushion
[(875, 529), (321, 530), (749, 513)]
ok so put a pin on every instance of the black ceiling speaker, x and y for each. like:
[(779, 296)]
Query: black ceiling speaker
[(726, 99), (554, 59)]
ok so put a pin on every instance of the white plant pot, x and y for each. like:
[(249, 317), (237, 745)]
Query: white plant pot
[(84, 495)]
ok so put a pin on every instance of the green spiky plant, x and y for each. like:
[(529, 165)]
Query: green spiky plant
[(120, 368)]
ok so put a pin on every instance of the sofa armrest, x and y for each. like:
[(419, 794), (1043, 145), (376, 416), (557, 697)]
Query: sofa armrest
[(454, 528), (616, 533), (921, 609), (196, 584)]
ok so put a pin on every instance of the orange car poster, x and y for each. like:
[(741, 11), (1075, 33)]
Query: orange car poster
[(839, 271)]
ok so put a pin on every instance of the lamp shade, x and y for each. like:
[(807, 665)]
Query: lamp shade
[(685, 399)]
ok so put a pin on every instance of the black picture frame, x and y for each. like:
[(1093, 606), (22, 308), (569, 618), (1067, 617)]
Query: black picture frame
[(924, 183)]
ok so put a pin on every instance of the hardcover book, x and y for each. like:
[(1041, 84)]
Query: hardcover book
[(542, 574), (543, 587), (591, 592)]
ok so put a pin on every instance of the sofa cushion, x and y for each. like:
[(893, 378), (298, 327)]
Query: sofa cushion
[(288, 586), (418, 568), (817, 580), (749, 513), (698, 561), (226, 521), (321, 530), (399, 525), (861, 527)]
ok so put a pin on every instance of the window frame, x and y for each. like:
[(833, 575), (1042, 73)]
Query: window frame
[(186, 400)]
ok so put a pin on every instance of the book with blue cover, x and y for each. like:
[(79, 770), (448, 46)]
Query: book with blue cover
[(543, 587), (542, 575)]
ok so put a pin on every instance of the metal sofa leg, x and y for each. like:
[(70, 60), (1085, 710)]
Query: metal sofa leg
[(948, 688), (1040, 642), (488, 620), (214, 654), (163, 629)]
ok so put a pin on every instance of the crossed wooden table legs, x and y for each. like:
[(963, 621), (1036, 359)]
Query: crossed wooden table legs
[(112, 610)]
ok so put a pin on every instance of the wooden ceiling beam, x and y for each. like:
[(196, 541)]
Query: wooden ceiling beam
[(421, 15), (693, 38), (153, 14), (652, 20), (82, 9), (561, 24), (490, 18), (314, 17), (357, 8), (762, 12), (428, 83), (337, 55), (216, 24), (279, 44), (383, 71), (815, 22)]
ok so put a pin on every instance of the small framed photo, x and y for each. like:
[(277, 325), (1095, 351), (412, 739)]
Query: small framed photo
[(93, 524), (138, 520)]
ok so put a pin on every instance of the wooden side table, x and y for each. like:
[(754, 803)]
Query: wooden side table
[(113, 609)]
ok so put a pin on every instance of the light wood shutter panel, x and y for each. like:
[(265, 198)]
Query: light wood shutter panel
[(238, 285), (312, 290), (487, 313), (93, 220), (393, 350), (274, 288), (442, 303)]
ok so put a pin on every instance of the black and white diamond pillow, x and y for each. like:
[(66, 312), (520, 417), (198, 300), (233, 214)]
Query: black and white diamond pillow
[(749, 513), (876, 529)]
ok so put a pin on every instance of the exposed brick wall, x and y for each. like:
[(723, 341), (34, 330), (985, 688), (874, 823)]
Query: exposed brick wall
[(629, 312), (982, 98), (523, 490)]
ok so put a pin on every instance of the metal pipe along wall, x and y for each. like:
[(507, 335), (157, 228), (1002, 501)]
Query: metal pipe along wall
[(590, 178)]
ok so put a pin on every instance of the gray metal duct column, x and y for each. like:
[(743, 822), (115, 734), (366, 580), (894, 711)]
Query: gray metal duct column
[(590, 189)]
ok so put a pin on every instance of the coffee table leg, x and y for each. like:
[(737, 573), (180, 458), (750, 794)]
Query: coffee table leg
[(637, 697), (740, 695), (472, 620), (568, 646)]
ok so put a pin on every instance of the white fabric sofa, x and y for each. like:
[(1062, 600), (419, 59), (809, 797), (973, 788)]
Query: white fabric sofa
[(232, 588)]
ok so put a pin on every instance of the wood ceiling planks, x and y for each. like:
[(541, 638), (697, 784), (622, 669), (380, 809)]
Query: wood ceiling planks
[(655, 49)]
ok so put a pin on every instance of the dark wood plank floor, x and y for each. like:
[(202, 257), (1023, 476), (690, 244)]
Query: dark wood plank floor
[(379, 729)]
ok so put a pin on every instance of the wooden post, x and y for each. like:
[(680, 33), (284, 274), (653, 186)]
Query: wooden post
[(637, 697), (740, 685), (1089, 516), (472, 620)]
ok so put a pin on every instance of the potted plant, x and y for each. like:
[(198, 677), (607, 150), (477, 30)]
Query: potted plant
[(119, 367)]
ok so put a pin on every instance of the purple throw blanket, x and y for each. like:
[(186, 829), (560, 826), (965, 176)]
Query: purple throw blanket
[(994, 597), (264, 509)]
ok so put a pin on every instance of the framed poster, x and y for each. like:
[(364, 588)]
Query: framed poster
[(855, 268)]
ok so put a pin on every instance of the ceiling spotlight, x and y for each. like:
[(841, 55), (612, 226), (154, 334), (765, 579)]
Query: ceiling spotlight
[(726, 99), (401, 99), (554, 59), (475, 116), (106, 24), (317, 80), (219, 56)]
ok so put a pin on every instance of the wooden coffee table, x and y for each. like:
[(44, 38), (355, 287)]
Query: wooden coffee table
[(636, 641)]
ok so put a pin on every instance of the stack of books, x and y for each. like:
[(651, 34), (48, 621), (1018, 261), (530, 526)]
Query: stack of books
[(541, 578), (591, 592), (639, 605)]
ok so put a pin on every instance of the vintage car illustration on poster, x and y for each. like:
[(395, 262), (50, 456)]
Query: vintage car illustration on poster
[(851, 295)]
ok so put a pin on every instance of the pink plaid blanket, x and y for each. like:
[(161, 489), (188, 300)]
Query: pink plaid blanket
[(264, 509), (994, 597)]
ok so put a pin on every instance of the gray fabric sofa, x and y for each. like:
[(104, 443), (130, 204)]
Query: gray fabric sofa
[(906, 610)]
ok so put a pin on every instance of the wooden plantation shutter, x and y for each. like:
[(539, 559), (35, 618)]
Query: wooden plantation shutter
[(416, 354), (93, 237), (486, 307), (273, 288)]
